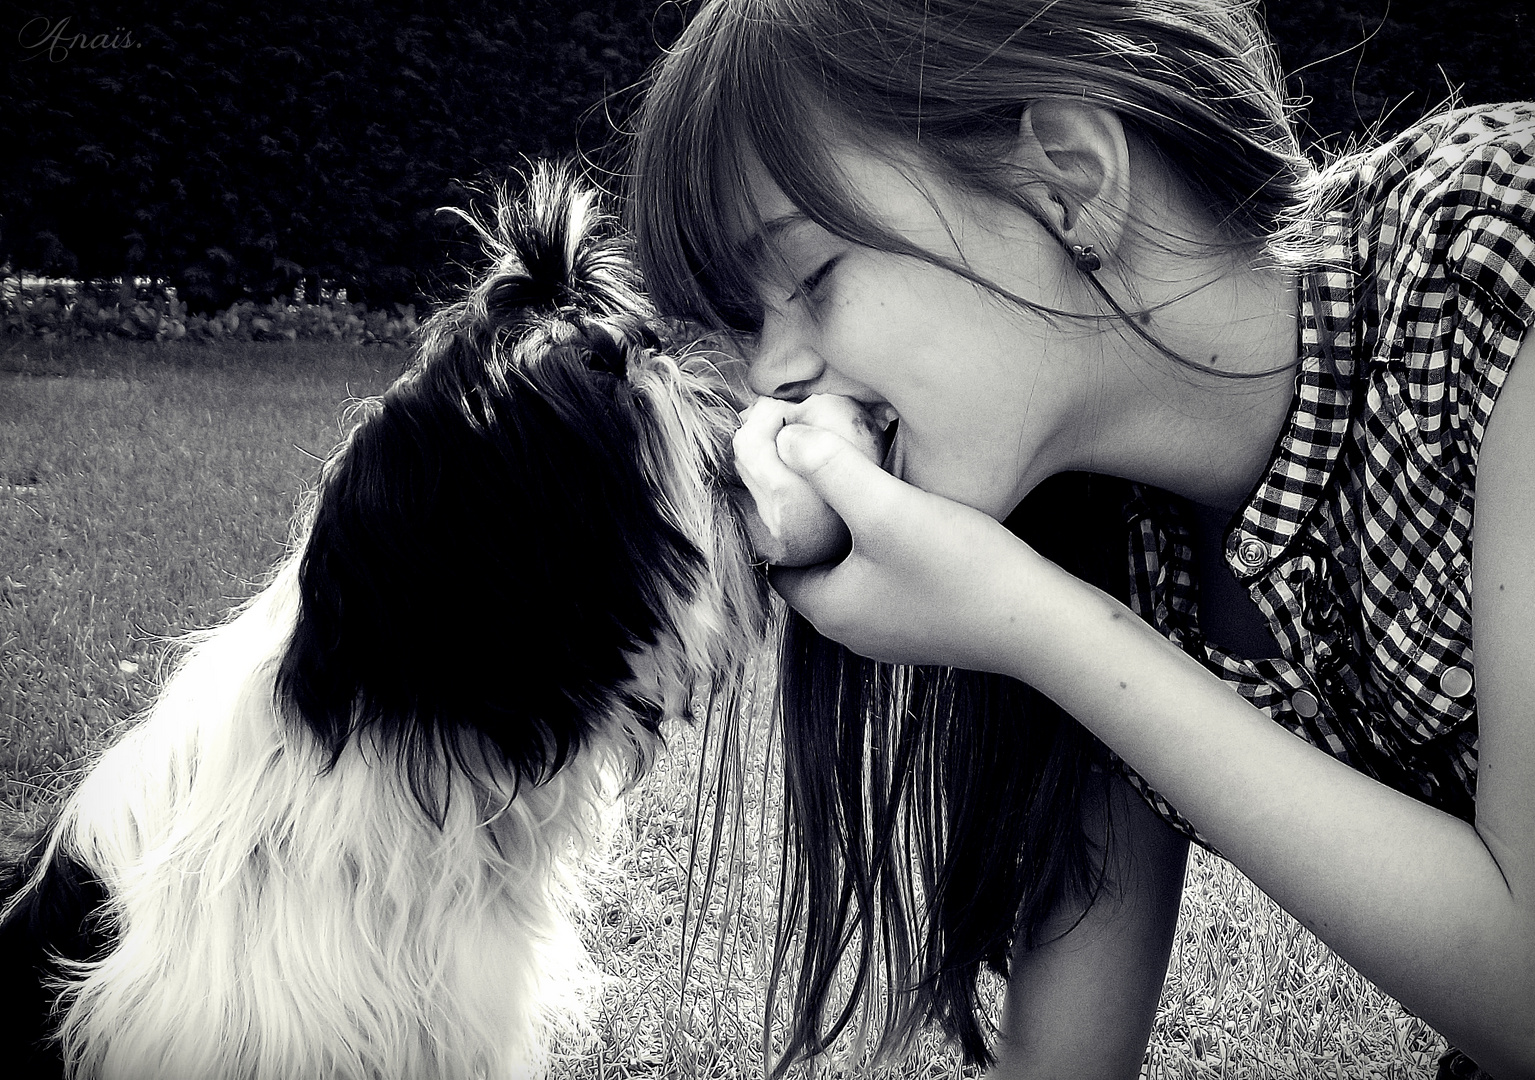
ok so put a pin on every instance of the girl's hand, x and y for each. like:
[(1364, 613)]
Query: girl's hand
[(928, 580), (787, 523)]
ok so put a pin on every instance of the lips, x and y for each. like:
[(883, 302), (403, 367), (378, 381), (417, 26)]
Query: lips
[(888, 421)]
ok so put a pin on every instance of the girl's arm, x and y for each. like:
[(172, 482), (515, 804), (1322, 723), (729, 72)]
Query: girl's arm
[(1081, 1004), (1438, 912)]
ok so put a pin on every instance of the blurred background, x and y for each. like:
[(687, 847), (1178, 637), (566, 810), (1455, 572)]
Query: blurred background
[(212, 214), (239, 151)]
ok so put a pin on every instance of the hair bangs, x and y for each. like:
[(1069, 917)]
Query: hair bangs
[(689, 197), (746, 95)]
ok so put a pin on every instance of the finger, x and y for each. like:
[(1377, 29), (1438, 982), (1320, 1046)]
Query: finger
[(761, 421), (849, 482), (756, 456), (846, 416), (832, 411), (762, 407), (798, 585)]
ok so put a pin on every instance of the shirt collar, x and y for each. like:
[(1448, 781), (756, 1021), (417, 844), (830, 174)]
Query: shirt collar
[(1306, 453)]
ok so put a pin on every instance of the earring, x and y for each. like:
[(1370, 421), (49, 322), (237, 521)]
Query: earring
[(1085, 258)]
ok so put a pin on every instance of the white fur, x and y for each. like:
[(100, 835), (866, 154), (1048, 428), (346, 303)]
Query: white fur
[(279, 921), (725, 621)]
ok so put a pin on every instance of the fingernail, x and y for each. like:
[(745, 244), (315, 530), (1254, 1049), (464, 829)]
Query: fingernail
[(787, 441)]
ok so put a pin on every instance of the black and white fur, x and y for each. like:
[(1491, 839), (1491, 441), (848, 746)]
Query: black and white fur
[(347, 839)]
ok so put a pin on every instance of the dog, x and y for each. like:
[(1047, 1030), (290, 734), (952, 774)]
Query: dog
[(347, 839)]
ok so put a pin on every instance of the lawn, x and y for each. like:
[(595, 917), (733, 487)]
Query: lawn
[(144, 490)]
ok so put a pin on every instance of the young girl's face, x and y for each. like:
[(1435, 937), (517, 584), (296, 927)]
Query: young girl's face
[(991, 399)]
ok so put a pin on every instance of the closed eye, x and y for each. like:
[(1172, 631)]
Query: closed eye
[(808, 286)]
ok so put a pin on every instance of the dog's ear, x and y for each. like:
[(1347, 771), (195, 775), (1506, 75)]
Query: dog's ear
[(487, 551), (495, 580)]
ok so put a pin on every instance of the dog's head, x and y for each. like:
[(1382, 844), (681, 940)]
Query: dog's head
[(528, 536)]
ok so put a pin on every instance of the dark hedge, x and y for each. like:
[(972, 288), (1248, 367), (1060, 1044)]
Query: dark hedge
[(1380, 65), (238, 149), (247, 151)]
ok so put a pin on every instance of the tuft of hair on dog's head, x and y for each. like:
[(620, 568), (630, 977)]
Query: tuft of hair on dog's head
[(526, 539)]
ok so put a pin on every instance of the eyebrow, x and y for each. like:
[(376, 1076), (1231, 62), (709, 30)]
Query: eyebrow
[(749, 252)]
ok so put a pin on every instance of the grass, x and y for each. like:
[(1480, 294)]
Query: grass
[(144, 490)]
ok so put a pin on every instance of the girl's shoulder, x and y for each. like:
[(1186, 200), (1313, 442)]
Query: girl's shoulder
[(1493, 140), (1441, 233), (1422, 186)]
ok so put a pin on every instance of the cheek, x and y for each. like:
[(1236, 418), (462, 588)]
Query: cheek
[(878, 304), (964, 439), (924, 342)]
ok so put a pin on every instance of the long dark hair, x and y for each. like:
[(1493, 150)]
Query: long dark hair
[(933, 816)]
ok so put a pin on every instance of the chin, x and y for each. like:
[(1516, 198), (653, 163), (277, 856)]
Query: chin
[(349, 838)]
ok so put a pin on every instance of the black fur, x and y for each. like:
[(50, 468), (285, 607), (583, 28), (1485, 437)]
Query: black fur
[(488, 551), (62, 918)]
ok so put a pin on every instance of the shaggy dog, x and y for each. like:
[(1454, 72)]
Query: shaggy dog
[(346, 840)]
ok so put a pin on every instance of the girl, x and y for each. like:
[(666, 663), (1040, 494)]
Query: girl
[(1080, 236)]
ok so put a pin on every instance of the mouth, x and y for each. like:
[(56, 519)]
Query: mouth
[(889, 422)]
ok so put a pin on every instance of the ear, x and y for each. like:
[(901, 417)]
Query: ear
[(1077, 157)]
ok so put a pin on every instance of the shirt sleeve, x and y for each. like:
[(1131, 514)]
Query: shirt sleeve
[(1492, 273), (1446, 264)]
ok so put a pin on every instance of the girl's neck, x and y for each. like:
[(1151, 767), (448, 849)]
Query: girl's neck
[(1204, 434)]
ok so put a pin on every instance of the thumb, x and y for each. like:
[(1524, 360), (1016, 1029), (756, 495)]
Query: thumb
[(845, 478)]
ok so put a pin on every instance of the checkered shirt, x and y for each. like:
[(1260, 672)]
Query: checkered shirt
[(1356, 543)]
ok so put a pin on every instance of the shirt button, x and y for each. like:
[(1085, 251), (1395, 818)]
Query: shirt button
[(1252, 553), (1305, 704), (1455, 682)]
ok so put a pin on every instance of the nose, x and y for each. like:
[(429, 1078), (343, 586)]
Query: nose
[(784, 364)]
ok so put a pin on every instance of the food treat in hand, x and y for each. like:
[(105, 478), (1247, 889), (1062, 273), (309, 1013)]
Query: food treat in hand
[(788, 523)]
